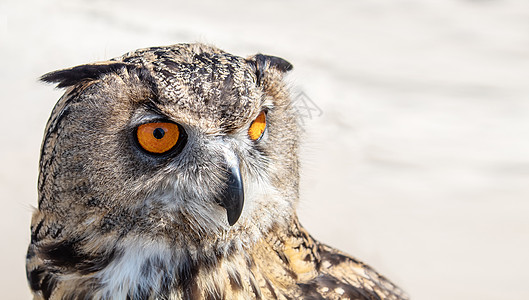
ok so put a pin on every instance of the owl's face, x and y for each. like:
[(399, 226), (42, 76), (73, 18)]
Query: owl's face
[(186, 144)]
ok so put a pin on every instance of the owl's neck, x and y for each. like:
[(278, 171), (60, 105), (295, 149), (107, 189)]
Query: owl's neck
[(142, 268), (282, 256)]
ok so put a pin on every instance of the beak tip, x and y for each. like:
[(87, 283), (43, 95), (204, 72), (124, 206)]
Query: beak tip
[(232, 218), (233, 197), (233, 203)]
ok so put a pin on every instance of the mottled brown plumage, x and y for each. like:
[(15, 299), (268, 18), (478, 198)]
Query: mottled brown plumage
[(211, 218)]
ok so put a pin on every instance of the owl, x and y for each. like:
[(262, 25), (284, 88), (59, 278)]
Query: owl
[(172, 173)]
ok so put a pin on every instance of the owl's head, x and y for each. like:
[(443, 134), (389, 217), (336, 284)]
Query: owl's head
[(185, 143)]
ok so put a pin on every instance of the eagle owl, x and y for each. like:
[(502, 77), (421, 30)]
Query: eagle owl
[(172, 173)]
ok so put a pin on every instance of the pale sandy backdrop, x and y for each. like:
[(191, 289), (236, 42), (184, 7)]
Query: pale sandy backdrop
[(418, 163)]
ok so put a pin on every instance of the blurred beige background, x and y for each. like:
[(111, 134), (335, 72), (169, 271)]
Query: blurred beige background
[(418, 164)]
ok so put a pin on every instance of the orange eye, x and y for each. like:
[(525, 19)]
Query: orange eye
[(256, 130), (158, 137)]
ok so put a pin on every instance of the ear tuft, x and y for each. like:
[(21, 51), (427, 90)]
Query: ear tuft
[(264, 62), (72, 76)]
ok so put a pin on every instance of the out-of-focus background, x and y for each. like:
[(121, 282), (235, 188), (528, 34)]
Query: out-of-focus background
[(416, 117)]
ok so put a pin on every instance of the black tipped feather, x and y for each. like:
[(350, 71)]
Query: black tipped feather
[(273, 62), (72, 76), (263, 62)]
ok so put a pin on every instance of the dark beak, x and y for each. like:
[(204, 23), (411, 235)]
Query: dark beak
[(232, 198)]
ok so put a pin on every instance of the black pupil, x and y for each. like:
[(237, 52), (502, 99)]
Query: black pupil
[(158, 133)]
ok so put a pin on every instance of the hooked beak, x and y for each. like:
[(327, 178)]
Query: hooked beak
[(232, 198)]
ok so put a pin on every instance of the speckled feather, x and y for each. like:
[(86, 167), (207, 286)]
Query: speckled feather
[(114, 222)]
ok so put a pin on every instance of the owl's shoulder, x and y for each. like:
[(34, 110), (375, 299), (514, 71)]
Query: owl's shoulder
[(343, 276), (300, 267)]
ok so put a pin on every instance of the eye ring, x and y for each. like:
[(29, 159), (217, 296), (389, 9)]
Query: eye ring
[(161, 137), (258, 127)]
